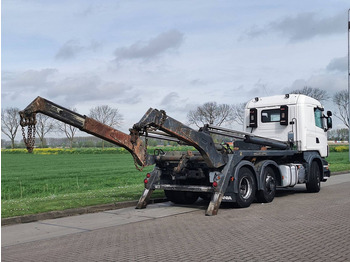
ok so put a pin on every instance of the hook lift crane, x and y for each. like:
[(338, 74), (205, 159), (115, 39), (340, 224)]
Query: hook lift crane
[(277, 152)]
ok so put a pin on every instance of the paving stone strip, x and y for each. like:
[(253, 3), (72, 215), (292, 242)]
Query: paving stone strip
[(71, 212)]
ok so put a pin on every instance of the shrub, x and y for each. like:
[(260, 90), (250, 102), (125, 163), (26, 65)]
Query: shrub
[(339, 148)]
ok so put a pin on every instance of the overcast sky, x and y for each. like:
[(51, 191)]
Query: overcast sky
[(171, 55)]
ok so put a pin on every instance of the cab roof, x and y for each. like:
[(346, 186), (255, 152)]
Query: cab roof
[(278, 100)]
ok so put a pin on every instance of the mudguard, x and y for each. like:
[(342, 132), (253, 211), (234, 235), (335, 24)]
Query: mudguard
[(260, 166), (311, 156)]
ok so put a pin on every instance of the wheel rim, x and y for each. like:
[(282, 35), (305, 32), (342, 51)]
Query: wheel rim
[(318, 179), (245, 188), (270, 184)]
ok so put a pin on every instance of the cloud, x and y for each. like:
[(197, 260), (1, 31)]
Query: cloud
[(198, 82), (121, 92), (17, 85), (53, 85), (72, 48), (302, 26), (173, 103), (331, 83), (71, 87), (69, 50), (170, 98), (154, 47), (338, 64), (28, 78), (93, 88)]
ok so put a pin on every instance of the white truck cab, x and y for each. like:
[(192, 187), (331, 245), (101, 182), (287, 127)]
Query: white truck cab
[(296, 118)]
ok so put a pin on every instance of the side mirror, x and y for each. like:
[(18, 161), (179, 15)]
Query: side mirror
[(284, 115), (253, 117), (329, 121)]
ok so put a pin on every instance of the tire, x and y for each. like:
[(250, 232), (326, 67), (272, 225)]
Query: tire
[(246, 188), (269, 187), (313, 185), (181, 197)]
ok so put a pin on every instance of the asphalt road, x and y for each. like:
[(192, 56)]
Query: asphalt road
[(296, 226)]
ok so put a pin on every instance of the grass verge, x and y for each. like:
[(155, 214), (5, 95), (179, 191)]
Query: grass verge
[(339, 161), (46, 182), (39, 183)]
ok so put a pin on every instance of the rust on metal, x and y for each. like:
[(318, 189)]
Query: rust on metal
[(34, 107), (202, 141), (132, 143), (28, 119)]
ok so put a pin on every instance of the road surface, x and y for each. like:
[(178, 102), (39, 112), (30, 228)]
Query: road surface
[(296, 226)]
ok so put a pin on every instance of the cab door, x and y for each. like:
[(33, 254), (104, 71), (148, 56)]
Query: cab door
[(320, 134)]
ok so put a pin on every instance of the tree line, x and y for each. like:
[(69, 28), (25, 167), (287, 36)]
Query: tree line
[(209, 113)]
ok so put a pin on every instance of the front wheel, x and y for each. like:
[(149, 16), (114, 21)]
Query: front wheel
[(313, 185), (246, 188), (269, 186)]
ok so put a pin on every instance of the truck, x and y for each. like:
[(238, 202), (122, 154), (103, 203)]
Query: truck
[(284, 143)]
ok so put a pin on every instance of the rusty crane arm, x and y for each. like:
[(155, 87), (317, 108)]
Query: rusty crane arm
[(131, 142), (153, 119), (201, 140)]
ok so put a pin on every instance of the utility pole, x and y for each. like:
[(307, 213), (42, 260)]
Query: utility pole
[(349, 73)]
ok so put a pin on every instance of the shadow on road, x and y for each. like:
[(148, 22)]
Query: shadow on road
[(280, 192)]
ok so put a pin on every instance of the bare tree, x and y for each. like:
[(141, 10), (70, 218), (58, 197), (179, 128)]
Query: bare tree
[(10, 123), (343, 134), (341, 99), (106, 115), (44, 125), (210, 113), (316, 93), (68, 130), (238, 113)]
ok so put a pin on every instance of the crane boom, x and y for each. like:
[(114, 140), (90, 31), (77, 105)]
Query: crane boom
[(201, 140), (131, 142)]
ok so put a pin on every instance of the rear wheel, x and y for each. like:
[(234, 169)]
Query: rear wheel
[(313, 185), (246, 188), (269, 187), (181, 197)]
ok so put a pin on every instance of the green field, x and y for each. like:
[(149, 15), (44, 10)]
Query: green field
[(339, 161), (38, 183), (33, 183)]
